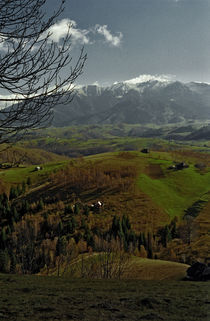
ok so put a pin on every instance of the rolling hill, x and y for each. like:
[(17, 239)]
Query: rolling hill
[(138, 188)]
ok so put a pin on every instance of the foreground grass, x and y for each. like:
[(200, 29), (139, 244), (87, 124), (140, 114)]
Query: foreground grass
[(51, 298)]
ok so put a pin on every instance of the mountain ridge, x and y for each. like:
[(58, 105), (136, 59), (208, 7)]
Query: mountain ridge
[(152, 101)]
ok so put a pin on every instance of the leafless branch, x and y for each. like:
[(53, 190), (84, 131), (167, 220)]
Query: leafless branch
[(32, 67)]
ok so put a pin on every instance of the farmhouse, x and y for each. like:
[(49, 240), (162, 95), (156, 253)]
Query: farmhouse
[(96, 206), (38, 168), (179, 166), (145, 150)]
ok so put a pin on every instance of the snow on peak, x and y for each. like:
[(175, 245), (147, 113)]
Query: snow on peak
[(147, 78)]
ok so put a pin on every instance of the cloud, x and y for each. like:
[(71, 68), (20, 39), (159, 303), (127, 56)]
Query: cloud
[(146, 78), (60, 29), (114, 41), (4, 97), (83, 36)]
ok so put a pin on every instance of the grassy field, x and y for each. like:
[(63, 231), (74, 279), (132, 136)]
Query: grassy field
[(171, 191), (19, 174), (92, 139), (132, 267), (174, 190), (146, 269), (36, 298)]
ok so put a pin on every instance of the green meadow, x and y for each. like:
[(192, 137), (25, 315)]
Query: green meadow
[(19, 174), (176, 190)]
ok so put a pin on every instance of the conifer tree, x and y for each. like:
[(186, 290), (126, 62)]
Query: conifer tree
[(13, 193), (40, 205), (76, 209), (13, 263), (23, 189), (74, 224), (86, 210), (149, 245), (4, 261), (60, 228), (28, 182)]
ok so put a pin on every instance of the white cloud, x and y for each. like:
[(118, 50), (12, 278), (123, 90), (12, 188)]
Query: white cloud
[(114, 41), (83, 36), (3, 100), (60, 29), (79, 36), (145, 78)]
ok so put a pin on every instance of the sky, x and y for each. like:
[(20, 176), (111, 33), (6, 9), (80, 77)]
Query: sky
[(127, 38)]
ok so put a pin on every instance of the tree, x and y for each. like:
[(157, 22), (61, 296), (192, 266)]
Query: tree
[(13, 263), (23, 190), (13, 193), (28, 182), (32, 67), (3, 239), (165, 235), (60, 252), (40, 205), (4, 261), (149, 246)]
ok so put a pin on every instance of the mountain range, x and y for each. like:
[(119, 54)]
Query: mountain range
[(153, 101)]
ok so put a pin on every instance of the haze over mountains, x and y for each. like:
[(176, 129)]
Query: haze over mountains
[(155, 100)]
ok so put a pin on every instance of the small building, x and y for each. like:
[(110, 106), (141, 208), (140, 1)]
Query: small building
[(145, 150), (172, 167), (38, 168), (96, 206), (181, 165)]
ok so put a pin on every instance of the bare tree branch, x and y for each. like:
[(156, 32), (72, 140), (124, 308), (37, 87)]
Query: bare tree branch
[(32, 67)]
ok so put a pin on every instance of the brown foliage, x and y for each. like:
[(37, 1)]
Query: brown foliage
[(95, 176)]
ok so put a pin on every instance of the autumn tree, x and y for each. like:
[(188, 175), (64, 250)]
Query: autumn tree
[(60, 252)]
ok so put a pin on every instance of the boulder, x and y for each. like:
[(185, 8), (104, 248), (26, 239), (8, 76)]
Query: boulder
[(198, 272)]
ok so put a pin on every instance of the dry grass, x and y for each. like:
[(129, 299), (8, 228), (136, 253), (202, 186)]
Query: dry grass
[(24, 298), (145, 269)]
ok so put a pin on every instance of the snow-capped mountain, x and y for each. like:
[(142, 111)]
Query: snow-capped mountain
[(141, 100)]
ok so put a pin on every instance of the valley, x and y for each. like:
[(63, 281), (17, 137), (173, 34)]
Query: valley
[(104, 160), (150, 208)]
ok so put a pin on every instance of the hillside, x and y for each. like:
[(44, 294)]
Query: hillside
[(87, 140), (16, 155), (89, 265), (135, 202), (18, 164)]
